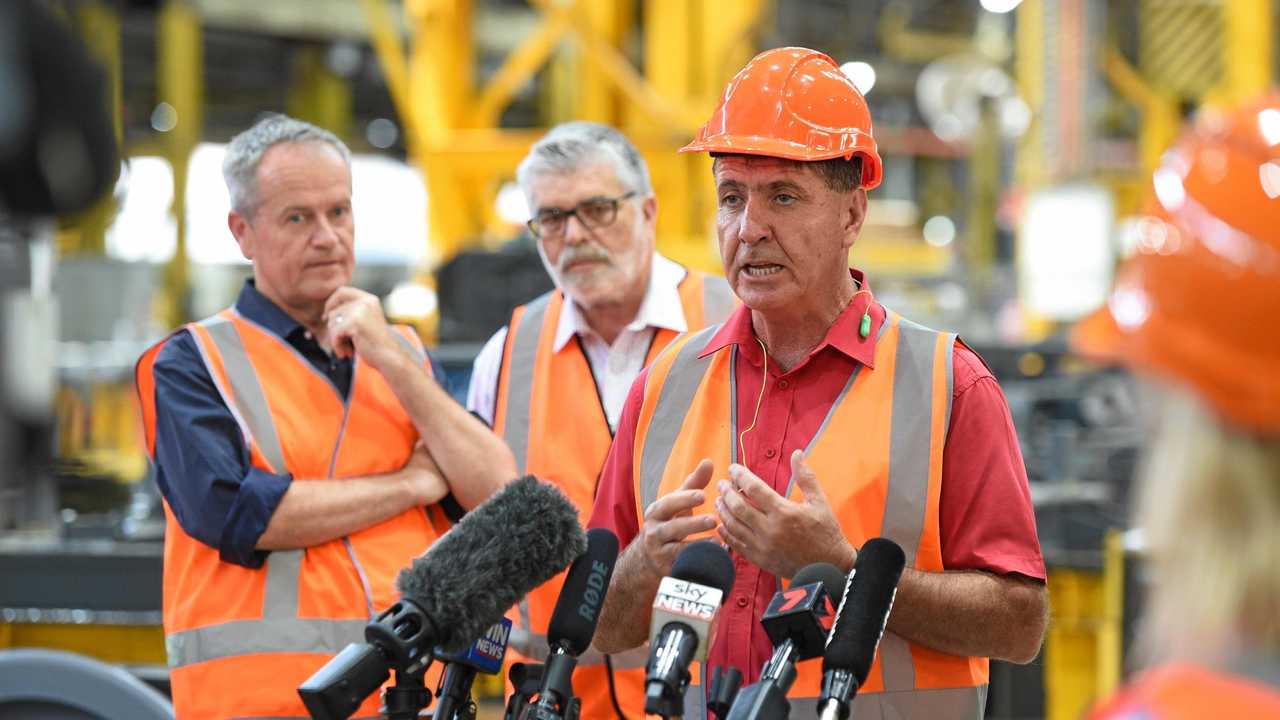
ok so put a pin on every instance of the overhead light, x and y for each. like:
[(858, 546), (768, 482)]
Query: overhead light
[(164, 118), (862, 75), (939, 231), (411, 300), (1269, 123), (511, 204), (381, 133), (1000, 6)]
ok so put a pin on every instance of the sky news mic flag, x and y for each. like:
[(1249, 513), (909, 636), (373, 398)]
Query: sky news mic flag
[(683, 622)]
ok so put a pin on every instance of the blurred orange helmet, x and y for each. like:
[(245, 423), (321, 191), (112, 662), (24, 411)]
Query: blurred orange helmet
[(792, 103), (1199, 302)]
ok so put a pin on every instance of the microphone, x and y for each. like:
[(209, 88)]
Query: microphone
[(513, 542), (573, 624), (484, 655), (683, 624), (859, 625), (723, 689), (797, 621)]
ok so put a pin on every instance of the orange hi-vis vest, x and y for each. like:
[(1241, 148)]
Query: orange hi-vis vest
[(1189, 692), (549, 412), (240, 641), (878, 455)]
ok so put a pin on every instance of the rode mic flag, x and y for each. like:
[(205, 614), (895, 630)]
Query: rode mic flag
[(573, 621), (573, 624)]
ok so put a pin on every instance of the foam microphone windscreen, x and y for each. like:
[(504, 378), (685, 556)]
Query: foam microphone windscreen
[(510, 544), (861, 619), (573, 622), (706, 563)]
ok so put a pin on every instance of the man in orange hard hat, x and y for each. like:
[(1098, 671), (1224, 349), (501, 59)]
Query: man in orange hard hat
[(825, 419), (1198, 307)]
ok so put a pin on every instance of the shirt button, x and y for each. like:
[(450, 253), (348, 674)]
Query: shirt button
[(742, 602), (770, 453), (783, 384)]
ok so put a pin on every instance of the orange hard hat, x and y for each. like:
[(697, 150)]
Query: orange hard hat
[(1199, 302), (792, 103)]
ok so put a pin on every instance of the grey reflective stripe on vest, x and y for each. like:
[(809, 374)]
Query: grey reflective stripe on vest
[(910, 438), (279, 630), (965, 703), (673, 404), (717, 299), (414, 351), (524, 350), (246, 391), (248, 637)]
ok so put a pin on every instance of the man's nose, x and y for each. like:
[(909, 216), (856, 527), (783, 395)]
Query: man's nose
[(752, 224)]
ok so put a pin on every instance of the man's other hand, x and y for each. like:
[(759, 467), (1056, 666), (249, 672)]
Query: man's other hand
[(669, 521), (775, 533), (355, 324)]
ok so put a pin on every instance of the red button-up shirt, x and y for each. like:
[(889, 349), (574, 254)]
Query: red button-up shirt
[(985, 509)]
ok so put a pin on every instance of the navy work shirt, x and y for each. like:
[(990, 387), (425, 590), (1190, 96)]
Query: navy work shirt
[(202, 461)]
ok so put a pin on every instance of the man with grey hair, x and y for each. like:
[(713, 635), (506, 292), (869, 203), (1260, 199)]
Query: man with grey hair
[(303, 447), (553, 381)]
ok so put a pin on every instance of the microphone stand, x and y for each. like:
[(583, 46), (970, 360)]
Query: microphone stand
[(406, 698), (555, 699), (767, 699)]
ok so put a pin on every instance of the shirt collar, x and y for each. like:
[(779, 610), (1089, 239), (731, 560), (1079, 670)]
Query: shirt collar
[(661, 307), (253, 305), (843, 335)]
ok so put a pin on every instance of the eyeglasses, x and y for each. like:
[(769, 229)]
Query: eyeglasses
[(593, 213)]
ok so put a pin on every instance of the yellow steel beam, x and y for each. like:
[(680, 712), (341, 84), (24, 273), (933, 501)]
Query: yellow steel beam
[(1160, 116), (1110, 661), (1249, 45), (1029, 63), (385, 39), (319, 95), (180, 73), (664, 112), (519, 66)]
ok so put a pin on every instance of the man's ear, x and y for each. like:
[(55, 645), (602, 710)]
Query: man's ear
[(243, 233), (856, 214)]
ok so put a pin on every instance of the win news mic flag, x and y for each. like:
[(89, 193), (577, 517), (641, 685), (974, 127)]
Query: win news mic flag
[(484, 656)]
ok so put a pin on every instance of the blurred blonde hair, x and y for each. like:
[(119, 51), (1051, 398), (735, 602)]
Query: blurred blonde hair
[(1209, 505)]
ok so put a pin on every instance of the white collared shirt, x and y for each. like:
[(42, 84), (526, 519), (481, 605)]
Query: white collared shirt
[(614, 367)]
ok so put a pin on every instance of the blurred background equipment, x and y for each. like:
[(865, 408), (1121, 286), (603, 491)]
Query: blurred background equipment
[(1017, 139)]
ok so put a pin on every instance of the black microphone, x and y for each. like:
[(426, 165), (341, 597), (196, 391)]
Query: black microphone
[(797, 621), (683, 622), (573, 624), (859, 625), (484, 655), (723, 689), (508, 545)]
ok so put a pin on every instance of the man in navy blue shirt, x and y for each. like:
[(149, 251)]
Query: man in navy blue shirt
[(290, 187)]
